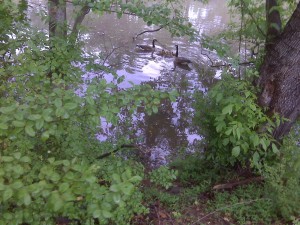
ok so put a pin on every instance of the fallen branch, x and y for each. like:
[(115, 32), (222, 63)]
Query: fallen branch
[(237, 183), (228, 207)]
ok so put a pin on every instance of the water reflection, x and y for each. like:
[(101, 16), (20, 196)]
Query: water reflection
[(111, 40)]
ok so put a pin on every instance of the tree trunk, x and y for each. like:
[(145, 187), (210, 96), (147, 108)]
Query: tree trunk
[(280, 75), (274, 26), (57, 18)]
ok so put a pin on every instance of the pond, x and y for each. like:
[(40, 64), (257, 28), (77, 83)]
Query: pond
[(168, 131)]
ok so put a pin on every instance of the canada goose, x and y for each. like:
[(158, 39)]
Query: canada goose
[(180, 60), (147, 48), (165, 53)]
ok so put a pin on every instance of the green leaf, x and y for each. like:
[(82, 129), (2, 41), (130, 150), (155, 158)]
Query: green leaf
[(25, 159), (6, 158), (227, 110), (58, 103), (90, 100), (17, 185), (3, 126), (255, 158), (17, 155), (228, 132), (7, 110), (135, 179), (17, 123), (7, 194), (238, 133), (236, 151), (39, 124), (274, 148), (127, 188), (114, 188), (155, 109), (116, 177), (225, 141), (63, 187), (29, 130), (60, 112), (117, 198), (45, 136), (253, 107), (56, 201), (97, 213), (263, 143), (27, 199), (106, 214), (70, 105), (219, 97), (34, 117)]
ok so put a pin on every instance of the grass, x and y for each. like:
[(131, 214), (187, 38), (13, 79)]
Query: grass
[(191, 200)]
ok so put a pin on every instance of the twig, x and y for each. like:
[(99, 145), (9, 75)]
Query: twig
[(255, 22), (114, 151), (109, 54), (150, 31), (227, 207), (233, 184)]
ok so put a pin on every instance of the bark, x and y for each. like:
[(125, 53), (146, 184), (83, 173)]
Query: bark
[(274, 26), (280, 75), (57, 10), (80, 17)]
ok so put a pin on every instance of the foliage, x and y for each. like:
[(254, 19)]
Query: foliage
[(63, 188), (195, 170), (235, 128), (49, 121), (162, 13), (245, 205), (248, 29), (153, 194), (283, 178), (163, 176)]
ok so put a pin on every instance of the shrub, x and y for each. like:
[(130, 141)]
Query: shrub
[(35, 191), (234, 127), (246, 205), (283, 178), (163, 176)]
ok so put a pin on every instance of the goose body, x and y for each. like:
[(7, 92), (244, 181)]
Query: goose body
[(180, 60), (165, 53), (148, 48)]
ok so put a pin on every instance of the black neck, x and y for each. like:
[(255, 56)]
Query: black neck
[(176, 54), (153, 43)]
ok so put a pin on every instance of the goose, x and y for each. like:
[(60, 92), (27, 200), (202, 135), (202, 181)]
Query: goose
[(166, 53), (147, 48), (180, 60)]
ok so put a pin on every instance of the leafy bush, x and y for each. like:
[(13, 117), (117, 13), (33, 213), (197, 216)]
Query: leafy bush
[(49, 120), (35, 191), (247, 205), (163, 176), (283, 178), (195, 170), (235, 128)]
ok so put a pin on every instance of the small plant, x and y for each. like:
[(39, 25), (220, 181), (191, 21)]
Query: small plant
[(283, 178), (245, 205), (163, 176), (195, 170), (235, 128), (152, 194)]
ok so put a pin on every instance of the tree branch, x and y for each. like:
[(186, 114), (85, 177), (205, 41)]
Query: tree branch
[(150, 31), (83, 12)]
